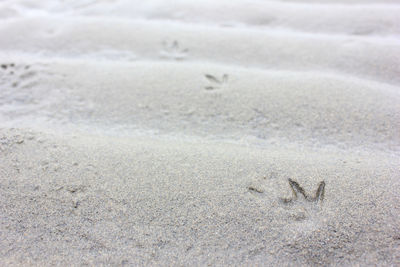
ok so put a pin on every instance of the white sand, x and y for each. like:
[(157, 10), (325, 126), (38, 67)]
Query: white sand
[(165, 132)]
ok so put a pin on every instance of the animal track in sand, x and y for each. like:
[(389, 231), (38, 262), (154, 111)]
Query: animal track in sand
[(19, 86), (304, 207), (298, 190), (215, 82), (300, 205), (17, 76), (171, 50), (255, 189), (27, 89), (263, 185)]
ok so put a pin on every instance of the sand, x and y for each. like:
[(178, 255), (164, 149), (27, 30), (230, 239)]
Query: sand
[(176, 133)]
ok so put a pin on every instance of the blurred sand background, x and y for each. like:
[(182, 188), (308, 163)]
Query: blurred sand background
[(164, 133)]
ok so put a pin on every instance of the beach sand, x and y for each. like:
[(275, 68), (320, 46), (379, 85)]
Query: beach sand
[(204, 133)]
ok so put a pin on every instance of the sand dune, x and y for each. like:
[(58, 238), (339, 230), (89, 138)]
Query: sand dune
[(199, 133), (310, 107), (371, 58)]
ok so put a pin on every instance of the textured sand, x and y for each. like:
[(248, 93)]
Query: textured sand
[(165, 132)]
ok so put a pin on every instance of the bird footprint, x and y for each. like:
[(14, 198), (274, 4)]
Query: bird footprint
[(298, 190), (216, 83), (173, 51), (299, 209)]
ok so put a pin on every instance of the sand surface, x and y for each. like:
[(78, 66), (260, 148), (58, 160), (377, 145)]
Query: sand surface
[(178, 133)]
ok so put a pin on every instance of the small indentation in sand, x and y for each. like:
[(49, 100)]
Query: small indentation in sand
[(297, 191), (172, 50), (302, 206), (216, 83), (255, 189)]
